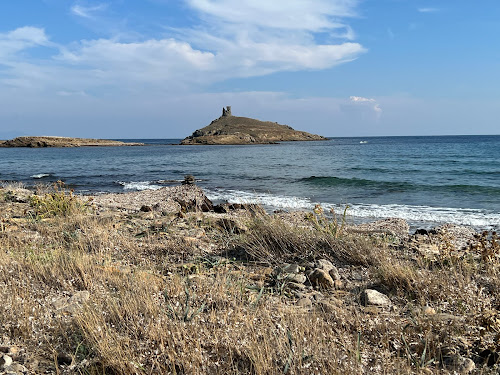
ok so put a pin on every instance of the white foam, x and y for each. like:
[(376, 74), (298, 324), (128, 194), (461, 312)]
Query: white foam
[(413, 214), (139, 185), (460, 216), (265, 199), (40, 175)]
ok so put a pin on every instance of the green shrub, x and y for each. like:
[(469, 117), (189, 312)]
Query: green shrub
[(58, 202)]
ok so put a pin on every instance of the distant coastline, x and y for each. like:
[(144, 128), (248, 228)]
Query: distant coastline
[(45, 141)]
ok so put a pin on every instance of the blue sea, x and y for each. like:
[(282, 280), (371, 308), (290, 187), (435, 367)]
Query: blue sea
[(425, 180)]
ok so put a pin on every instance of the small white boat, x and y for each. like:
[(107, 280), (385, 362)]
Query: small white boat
[(363, 142)]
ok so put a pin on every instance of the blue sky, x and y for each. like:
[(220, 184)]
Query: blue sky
[(163, 68)]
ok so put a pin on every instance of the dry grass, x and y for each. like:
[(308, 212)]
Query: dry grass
[(275, 241), (157, 305)]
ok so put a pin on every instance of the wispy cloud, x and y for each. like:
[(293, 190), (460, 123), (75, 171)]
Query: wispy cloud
[(20, 39), (428, 10), (87, 11)]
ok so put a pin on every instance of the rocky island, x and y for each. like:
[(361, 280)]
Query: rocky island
[(234, 130), (39, 142)]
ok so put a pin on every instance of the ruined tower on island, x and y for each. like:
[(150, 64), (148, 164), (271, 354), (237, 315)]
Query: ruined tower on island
[(226, 112)]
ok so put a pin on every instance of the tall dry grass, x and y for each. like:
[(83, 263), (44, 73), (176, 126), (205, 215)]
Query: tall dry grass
[(147, 315)]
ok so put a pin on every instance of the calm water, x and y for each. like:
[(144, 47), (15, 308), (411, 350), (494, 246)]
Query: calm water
[(425, 180)]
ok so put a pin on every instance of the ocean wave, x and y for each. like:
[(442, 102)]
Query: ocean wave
[(138, 185), (41, 175), (328, 181), (425, 214), (265, 199), (415, 215), (355, 182)]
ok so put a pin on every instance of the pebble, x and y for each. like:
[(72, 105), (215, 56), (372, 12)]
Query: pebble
[(15, 369), (304, 302), (427, 310), (290, 268), (334, 273), (459, 364), (72, 304), (5, 361), (297, 278)]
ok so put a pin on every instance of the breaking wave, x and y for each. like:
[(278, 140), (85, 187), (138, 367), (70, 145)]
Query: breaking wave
[(415, 215)]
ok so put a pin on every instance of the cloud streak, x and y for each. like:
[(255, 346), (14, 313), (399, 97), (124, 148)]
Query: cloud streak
[(428, 10), (89, 11)]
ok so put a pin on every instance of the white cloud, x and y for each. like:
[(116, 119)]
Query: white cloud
[(87, 12), (20, 39), (244, 39), (366, 103), (428, 10)]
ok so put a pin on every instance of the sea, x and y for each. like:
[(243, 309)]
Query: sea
[(426, 180)]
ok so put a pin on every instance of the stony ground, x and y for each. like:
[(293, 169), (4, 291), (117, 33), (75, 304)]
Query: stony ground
[(166, 282)]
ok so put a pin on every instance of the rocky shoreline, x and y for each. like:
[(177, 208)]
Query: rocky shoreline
[(42, 142), (180, 285)]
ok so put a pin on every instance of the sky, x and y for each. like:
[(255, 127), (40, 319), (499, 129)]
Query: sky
[(164, 68)]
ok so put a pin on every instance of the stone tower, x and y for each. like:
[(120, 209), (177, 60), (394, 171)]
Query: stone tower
[(226, 111)]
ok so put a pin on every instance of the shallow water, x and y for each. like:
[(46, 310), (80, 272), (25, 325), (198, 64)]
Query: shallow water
[(425, 180)]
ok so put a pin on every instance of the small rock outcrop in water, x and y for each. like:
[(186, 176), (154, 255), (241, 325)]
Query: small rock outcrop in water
[(39, 142), (234, 130)]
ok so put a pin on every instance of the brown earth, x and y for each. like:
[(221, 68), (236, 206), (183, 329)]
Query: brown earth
[(233, 130), (38, 142)]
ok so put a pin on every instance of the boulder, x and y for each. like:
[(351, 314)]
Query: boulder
[(374, 297), (322, 279)]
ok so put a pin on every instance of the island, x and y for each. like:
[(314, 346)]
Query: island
[(40, 142), (234, 130)]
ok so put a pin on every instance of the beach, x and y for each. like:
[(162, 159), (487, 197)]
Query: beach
[(176, 283)]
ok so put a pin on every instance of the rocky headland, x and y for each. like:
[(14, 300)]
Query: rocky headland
[(168, 282), (234, 130), (40, 142)]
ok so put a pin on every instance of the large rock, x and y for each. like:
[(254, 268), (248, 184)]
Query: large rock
[(374, 297), (326, 265), (229, 129), (167, 199), (321, 279)]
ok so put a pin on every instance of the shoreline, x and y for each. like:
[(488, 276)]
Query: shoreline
[(356, 214)]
